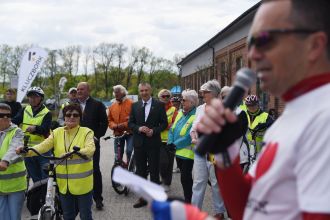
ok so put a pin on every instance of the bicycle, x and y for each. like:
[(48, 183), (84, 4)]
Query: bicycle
[(51, 210), (130, 166)]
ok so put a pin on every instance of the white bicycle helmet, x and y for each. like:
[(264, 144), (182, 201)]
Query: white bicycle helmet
[(251, 100), (35, 90)]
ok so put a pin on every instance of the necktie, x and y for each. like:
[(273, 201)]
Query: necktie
[(144, 111)]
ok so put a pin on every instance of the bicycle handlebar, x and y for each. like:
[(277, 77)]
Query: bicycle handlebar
[(65, 156), (115, 137)]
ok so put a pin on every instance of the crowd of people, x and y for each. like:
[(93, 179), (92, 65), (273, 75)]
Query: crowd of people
[(275, 170), (161, 130)]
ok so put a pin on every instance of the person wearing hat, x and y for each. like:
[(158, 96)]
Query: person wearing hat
[(72, 98), (258, 121), (35, 120), (10, 99)]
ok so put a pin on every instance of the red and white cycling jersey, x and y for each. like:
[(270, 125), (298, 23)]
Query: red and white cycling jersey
[(292, 174)]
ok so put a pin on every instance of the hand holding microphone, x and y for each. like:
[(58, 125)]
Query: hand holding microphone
[(219, 124)]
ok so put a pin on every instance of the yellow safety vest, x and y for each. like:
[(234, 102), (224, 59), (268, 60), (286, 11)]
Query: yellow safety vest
[(14, 178), (64, 104), (262, 118), (187, 152), (170, 113), (74, 175), (28, 120)]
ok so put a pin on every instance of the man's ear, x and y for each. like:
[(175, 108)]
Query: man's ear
[(317, 46)]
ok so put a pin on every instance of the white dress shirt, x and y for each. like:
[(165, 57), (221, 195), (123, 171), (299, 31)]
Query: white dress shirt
[(147, 108)]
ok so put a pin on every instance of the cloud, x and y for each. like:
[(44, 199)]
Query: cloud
[(166, 27)]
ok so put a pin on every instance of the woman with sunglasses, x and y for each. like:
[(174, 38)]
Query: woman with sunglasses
[(203, 165), (166, 152), (74, 176), (180, 139)]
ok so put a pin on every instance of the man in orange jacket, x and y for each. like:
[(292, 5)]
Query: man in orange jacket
[(118, 116)]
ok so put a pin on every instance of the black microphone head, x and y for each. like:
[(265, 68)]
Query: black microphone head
[(245, 78)]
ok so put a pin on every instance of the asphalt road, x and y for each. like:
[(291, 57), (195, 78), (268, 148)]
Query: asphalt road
[(120, 207)]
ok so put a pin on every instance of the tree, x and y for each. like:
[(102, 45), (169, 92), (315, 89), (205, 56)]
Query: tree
[(5, 51), (119, 75), (133, 60), (143, 56), (87, 57), (105, 52)]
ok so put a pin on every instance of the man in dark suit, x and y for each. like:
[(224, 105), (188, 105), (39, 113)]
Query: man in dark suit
[(95, 118), (147, 120)]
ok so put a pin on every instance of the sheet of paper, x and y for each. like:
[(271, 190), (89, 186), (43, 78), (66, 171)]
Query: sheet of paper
[(146, 189)]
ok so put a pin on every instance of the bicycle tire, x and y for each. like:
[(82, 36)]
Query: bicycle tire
[(46, 215), (120, 189)]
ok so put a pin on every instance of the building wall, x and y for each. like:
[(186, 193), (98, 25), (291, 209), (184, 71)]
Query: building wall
[(228, 60)]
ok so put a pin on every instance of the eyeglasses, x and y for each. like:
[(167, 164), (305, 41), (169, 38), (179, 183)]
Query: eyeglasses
[(165, 96), (75, 115), (264, 39), (5, 115)]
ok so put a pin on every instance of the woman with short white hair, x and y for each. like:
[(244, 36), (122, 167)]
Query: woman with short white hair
[(180, 139), (203, 165)]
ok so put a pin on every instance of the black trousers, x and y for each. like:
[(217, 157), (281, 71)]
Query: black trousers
[(166, 161), (97, 190), (147, 158), (186, 166)]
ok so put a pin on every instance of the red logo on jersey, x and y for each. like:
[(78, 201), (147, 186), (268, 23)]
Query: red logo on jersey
[(266, 159)]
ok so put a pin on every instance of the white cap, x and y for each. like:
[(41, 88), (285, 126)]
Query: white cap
[(72, 89)]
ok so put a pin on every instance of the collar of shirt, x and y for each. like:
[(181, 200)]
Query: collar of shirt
[(148, 102), (83, 102)]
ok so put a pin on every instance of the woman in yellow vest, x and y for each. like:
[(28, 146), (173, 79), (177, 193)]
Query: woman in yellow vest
[(12, 168), (179, 138), (74, 176), (167, 153)]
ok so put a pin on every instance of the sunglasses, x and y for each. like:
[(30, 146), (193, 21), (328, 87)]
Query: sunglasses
[(5, 115), (165, 96), (265, 39), (75, 115)]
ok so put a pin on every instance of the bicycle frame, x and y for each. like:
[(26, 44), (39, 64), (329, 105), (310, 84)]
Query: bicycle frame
[(50, 204)]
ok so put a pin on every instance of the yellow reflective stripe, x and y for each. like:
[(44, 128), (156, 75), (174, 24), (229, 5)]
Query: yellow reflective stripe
[(74, 175), (12, 175), (73, 161)]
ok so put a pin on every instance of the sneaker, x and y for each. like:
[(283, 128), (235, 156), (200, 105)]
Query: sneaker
[(140, 203)]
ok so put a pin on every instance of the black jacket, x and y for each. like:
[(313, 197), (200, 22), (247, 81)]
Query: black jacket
[(95, 117), (157, 120)]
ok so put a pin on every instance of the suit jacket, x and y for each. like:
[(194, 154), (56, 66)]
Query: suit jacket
[(157, 120), (95, 117)]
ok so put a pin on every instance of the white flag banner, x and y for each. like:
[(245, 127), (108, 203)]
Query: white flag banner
[(31, 64)]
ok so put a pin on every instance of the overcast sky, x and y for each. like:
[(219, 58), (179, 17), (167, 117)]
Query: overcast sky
[(166, 27)]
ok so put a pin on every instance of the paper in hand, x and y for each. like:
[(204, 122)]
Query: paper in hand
[(146, 189)]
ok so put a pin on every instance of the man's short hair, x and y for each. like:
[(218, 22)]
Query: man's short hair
[(4, 106), (311, 14), (145, 84)]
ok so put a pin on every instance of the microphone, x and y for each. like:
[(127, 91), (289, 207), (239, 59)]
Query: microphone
[(245, 78)]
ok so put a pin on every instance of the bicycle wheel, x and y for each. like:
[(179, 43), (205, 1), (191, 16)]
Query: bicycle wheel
[(46, 215), (120, 189)]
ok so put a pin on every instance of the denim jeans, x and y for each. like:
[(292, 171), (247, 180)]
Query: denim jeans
[(72, 203), (204, 171), (129, 146), (34, 166), (11, 205)]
